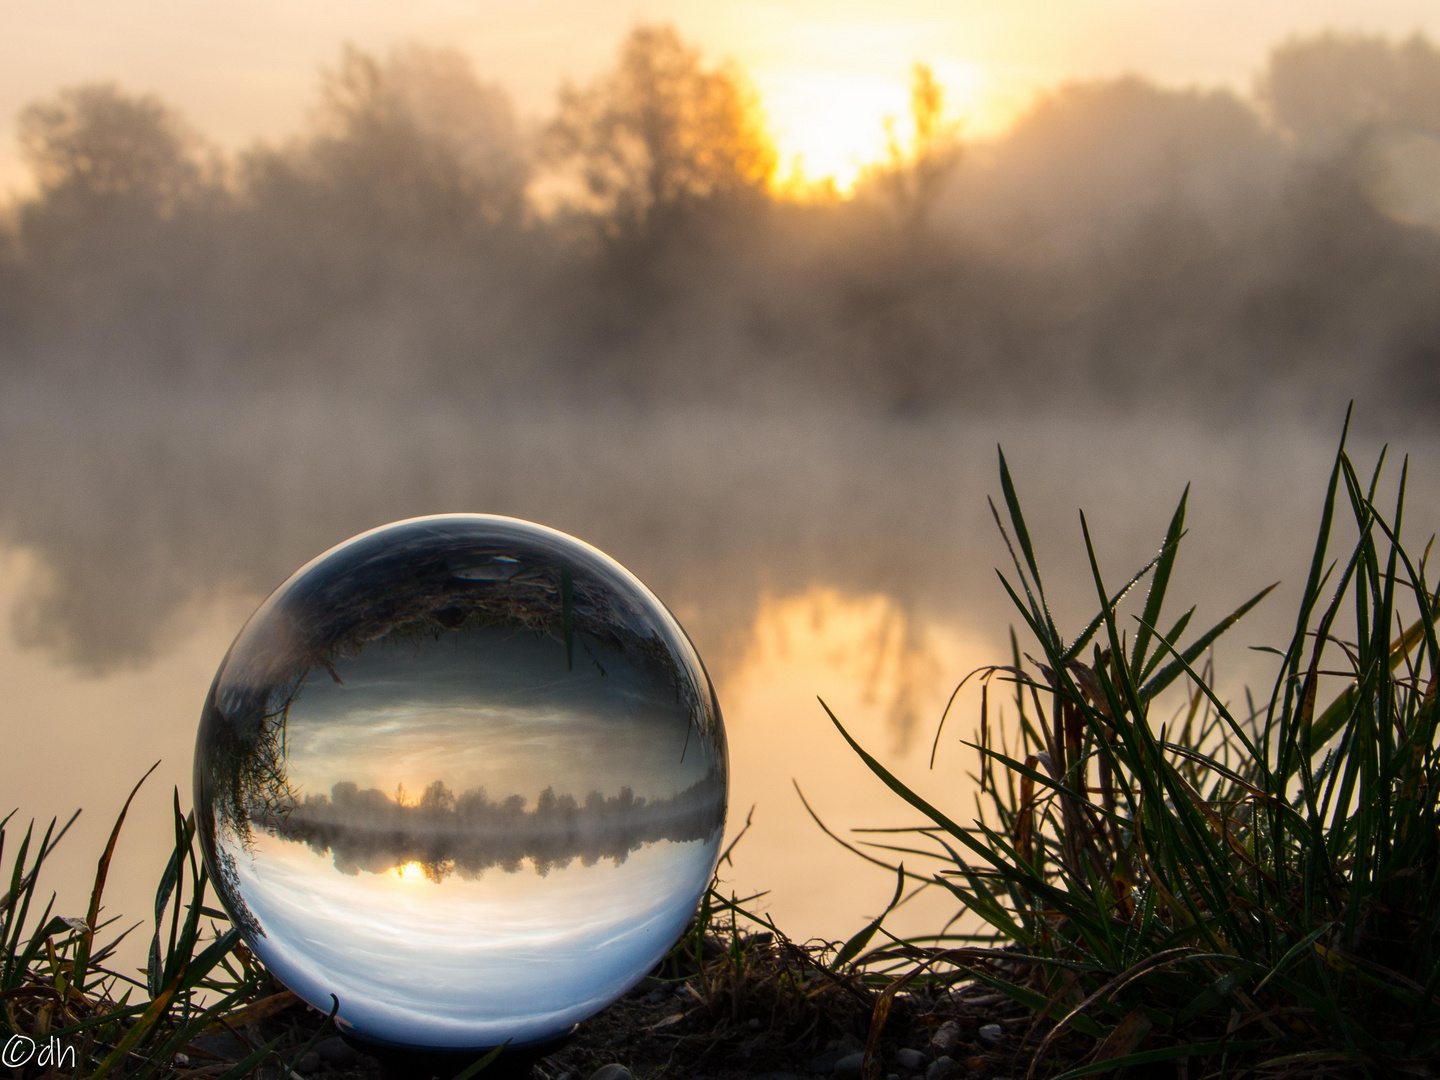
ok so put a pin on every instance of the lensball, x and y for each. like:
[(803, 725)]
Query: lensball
[(467, 775)]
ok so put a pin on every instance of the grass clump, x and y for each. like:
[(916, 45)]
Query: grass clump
[(58, 990), (1228, 891)]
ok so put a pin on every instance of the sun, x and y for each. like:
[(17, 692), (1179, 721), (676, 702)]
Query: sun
[(411, 872), (830, 124)]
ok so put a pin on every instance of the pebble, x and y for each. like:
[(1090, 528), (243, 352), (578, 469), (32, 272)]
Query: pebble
[(941, 1068), (947, 1039), (850, 1066), (753, 1024), (990, 1035), (912, 1060), (836, 1049), (613, 1071), (336, 1051), (308, 1063)]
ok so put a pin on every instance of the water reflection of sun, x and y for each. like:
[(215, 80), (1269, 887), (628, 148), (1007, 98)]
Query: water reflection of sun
[(885, 667), (872, 652)]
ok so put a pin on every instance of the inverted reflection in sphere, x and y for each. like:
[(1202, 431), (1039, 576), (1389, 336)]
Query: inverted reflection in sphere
[(465, 773)]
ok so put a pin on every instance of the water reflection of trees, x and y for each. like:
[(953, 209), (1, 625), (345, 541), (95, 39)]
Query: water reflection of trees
[(467, 834)]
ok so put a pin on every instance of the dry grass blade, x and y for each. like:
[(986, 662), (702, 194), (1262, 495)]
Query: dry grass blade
[(102, 870), (256, 1010)]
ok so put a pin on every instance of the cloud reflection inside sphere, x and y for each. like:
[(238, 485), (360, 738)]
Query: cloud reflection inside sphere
[(465, 773)]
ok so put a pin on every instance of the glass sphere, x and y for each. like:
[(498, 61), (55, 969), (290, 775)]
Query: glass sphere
[(465, 773)]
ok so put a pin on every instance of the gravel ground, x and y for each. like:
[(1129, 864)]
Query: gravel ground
[(772, 1022)]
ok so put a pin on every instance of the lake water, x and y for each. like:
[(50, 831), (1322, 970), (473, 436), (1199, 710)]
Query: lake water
[(807, 554)]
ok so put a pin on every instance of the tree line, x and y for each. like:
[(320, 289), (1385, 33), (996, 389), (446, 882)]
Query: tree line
[(470, 833), (1121, 241)]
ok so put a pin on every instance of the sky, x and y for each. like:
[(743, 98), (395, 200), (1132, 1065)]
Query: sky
[(828, 71), (509, 955)]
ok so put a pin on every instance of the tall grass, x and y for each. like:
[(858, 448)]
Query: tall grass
[(1214, 891), (57, 988)]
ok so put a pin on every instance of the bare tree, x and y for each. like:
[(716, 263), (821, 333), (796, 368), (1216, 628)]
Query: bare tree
[(1323, 92), (414, 143), (113, 246), (913, 178), (660, 132), (94, 143)]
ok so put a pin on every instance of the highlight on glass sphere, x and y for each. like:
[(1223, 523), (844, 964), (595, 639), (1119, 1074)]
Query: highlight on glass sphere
[(465, 773)]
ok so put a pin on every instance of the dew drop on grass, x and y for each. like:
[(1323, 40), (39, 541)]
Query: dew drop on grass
[(467, 774)]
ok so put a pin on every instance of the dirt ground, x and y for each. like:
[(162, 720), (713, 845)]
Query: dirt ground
[(768, 1017)]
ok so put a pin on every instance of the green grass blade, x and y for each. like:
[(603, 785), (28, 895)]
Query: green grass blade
[(1171, 671), (1155, 600), (857, 943)]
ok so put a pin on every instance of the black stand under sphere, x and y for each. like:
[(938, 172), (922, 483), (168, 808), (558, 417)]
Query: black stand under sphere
[(411, 1063)]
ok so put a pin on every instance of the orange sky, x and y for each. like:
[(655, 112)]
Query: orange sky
[(829, 70)]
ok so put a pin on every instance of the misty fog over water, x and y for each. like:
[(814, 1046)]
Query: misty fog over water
[(1135, 246), (781, 414), (832, 553)]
